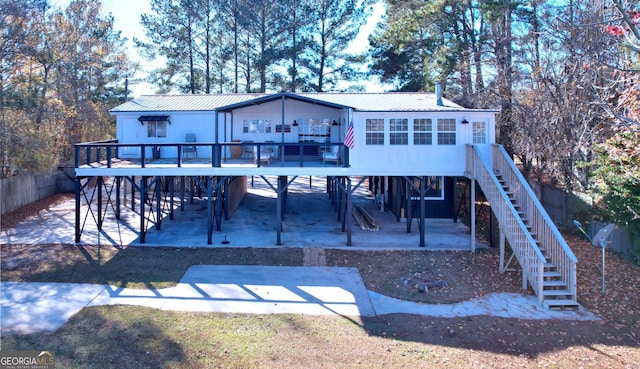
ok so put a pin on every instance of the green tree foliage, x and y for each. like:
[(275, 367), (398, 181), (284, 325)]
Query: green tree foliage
[(259, 45), (336, 23), (60, 73), (617, 179), (426, 42)]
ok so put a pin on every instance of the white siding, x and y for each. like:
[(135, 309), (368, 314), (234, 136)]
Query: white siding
[(433, 159), (402, 159), (130, 130)]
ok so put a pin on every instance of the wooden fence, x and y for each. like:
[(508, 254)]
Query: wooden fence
[(26, 188)]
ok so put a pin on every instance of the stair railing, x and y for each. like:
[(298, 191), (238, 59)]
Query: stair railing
[(542, 226), (522, 243)]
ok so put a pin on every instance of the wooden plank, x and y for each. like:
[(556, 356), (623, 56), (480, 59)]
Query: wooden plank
[(364, 219)]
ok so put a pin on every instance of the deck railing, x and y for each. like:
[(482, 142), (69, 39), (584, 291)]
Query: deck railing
[(111, 153), (542, 226), (522, 243)]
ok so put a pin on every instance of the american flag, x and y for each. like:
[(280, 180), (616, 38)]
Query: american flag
[(348, 139)]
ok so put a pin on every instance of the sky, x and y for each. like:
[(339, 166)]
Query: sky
[(126, 17)]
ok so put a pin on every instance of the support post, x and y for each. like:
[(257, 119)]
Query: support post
[(77, 186), (99, 189), (340, 193), (158, 193), (143, 200), (473, 216), (133, 194), (409, 214), (218, 208), (209, 211), (182, 193), (422, 210), (279, 212), (225, 198), (349, 207), (118, 189), (502, 246), (454, 209), (171, 195)]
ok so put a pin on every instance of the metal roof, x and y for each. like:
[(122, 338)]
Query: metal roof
[(158, 103), (387, 101), (380, 102)]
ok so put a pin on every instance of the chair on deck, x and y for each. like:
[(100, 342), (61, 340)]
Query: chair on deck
[(333, 155), (186, 149), (265, 154), (274, 150), (247, 150)]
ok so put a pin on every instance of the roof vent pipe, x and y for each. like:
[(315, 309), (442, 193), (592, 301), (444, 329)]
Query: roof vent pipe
[(439, 94)]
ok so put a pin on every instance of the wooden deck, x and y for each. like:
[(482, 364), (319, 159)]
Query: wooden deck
[(110, 158)]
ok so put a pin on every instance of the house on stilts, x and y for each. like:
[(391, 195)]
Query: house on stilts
[(412, 147)]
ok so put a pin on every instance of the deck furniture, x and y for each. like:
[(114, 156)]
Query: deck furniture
[(190, 149), (264, 156), (333, 155)]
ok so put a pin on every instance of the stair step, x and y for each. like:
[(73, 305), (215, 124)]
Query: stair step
[(553, 283), (551, 274), (561, 304), (556, 293)]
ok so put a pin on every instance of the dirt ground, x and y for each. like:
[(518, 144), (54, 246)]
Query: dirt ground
[(433, 277)]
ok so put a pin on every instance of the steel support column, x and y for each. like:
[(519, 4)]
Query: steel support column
[(182, 193), (118, 189), (409, 191), (422, 191), (172, 181), (143, 200), (473, 215), (349, 207), (209, 211), (422, 211), (225, 198), (279, 211), (346, 190), (99, 187), (218, 205), (133, 194), (78, 187), (158, 197)]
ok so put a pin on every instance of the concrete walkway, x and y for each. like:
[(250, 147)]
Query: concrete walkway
[(44, 307)]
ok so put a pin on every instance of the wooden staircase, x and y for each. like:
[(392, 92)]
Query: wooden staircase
[(547, 262), (556, 294)]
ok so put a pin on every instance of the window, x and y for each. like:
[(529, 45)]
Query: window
[(434, 187), (156, 124), (256, 126), (422, 132), (314, 126), (479, 132), (375, 131), (446, 131), (156, 128), (399, 131)]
